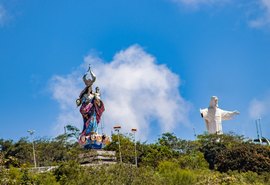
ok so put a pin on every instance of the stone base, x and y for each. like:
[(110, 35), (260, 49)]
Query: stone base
[(97, 157)]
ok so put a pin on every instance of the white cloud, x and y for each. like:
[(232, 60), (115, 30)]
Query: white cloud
[(198, 3), (263, 18), (256, 109), (65, 90), (259, 108), (3, 15), (257, 11), (137, 93)]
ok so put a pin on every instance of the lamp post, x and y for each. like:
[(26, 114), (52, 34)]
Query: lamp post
[(31, 132), (259, 129), (117, 129), (195, 135), (65, 130), (134, 130)]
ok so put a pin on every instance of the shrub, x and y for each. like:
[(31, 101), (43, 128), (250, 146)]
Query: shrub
[(172, 174)]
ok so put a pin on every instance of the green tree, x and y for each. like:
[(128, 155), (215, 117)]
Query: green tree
[(68, 172), (211, 145), (169, 140), (16, 154), (56, 150), (72, 132), (244, 157), (153, 154), (126, 145), (172, 174), (193, 160), (232, 152)]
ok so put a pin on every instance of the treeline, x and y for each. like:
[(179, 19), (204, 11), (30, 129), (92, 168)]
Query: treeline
[(210, 159)]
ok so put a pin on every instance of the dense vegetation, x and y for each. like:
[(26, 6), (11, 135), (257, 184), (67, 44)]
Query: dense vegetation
[(211, 159)]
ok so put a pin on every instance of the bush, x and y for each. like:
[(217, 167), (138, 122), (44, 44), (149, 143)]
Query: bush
[(193, 160), (68, 173), (244, 157), (172, 174), (45, 179), (230, 152)]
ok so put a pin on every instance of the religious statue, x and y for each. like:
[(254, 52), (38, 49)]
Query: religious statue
[(91, 110), (213, 116)]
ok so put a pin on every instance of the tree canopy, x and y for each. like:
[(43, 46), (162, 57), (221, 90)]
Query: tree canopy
[(171, 160)]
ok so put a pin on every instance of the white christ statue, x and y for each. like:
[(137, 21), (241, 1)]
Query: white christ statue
[(213, 116)]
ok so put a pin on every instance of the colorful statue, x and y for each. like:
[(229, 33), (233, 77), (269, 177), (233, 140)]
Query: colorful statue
[(213, 116), (91, 109)]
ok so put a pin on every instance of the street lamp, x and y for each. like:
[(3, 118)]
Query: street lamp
[(31, 132), (117, 129), (195, 135), (134, 130)]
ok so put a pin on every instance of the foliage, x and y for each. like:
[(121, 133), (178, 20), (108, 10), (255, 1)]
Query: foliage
[(177, 144), (16, 154), (154, 154), (231, 152), (72, 132), (169, 147), (172, 174), (231, 159), (56, 150), (127, 148), (71, 173), (122, 174), (168, 139), (68, 173), (193, 160), (244, 157)]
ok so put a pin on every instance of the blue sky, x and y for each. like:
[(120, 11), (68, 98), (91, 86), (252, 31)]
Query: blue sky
[(157, 63)]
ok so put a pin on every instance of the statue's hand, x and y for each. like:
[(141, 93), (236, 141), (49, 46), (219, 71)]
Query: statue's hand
[(236, 112), (89, 68), (202, 115)]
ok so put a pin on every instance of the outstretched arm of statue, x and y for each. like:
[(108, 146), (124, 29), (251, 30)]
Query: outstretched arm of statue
[(236, 112), (203, 113), (227, 115)]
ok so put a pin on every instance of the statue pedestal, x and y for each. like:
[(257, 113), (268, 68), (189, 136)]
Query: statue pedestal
[(94, 141), (94, 157)]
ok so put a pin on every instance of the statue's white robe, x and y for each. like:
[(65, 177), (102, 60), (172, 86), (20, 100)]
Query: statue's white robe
[(213, 117)]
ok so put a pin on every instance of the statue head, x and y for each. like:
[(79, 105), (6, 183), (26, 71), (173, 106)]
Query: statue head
[(214, 102)]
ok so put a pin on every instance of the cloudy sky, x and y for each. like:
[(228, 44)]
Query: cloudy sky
[(157, 63)]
